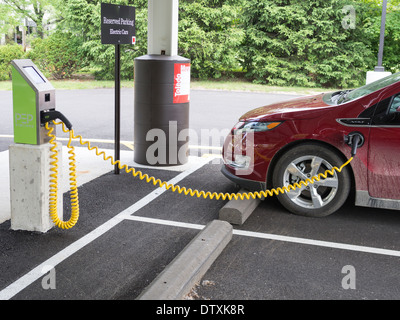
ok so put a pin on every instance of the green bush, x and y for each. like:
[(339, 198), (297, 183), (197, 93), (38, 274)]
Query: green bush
[(210, 35), (58, 55), (303, 43), (7, 54), (275, 42), (372, 25), (102, 60)]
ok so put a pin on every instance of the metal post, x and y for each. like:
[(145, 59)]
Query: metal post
[(382, 38), (117, 145)]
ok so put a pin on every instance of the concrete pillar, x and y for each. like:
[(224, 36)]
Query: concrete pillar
[(30, 186), (163, 27), (162, 91)]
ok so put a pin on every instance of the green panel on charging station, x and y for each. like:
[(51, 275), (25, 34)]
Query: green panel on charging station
[(32, 95), (24, 100)]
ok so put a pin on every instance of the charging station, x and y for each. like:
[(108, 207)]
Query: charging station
[(30, 157), (32, 94)]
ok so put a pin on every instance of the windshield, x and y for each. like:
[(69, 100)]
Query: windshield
[(369, 88)]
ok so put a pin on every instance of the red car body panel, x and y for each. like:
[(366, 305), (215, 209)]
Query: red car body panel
[(376, 167), (384, 162), (289, 110)]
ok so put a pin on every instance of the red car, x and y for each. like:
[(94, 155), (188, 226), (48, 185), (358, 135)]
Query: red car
[(284, 143)]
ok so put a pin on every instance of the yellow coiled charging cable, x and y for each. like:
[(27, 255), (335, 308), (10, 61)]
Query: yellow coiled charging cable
[(54, 183), (161, 184)]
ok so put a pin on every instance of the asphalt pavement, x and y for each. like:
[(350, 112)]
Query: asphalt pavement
[(129, 231)]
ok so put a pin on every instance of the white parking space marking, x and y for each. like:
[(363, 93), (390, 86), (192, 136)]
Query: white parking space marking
[(327, 244), (166, 222), (267, 236)]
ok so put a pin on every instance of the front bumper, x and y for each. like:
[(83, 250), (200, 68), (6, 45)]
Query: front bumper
[(250, 185)]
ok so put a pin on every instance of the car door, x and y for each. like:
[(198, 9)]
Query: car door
[(384, 150)]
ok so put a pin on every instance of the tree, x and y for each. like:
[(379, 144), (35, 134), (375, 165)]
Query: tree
[(297, 42), (83, 19), (32, 9), (210, 35), (277, 42), (58, 55), (371, 26)]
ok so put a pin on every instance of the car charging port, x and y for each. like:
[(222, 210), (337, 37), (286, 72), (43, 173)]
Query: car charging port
[(355, 140)]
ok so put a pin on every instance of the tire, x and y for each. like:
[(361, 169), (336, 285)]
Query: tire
[(321, 198)]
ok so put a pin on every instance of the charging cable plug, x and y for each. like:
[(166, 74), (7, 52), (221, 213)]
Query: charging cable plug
[(50, 115), (355, 140)]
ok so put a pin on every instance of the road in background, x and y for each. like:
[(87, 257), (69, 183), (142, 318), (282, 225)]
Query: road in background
[(91, 112)]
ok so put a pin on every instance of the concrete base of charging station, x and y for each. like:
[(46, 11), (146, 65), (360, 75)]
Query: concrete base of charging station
[(237, 211), (30, 186), (191, 264)]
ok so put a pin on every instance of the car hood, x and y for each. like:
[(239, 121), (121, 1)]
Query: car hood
[(301, 108)]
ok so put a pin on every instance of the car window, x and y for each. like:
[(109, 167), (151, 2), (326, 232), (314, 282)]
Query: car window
[(395, 104), (387, 112), (372, 87)]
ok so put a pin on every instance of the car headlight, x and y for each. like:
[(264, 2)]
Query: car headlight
[(244, 127), (239, 153)]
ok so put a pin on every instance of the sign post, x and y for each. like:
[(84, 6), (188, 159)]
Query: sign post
[(117, 118), (117, 27)]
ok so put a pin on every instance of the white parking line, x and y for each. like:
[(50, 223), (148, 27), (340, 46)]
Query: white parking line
[(318, 243), (268, 236), (166, 222)]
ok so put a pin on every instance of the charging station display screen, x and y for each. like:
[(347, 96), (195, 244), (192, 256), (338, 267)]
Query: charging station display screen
[(34, 75)]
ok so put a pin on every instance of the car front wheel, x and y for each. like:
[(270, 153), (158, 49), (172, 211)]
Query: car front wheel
[(320, 199)]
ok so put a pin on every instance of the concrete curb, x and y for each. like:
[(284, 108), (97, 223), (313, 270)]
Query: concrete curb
[(179, 277), (237, 211)]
